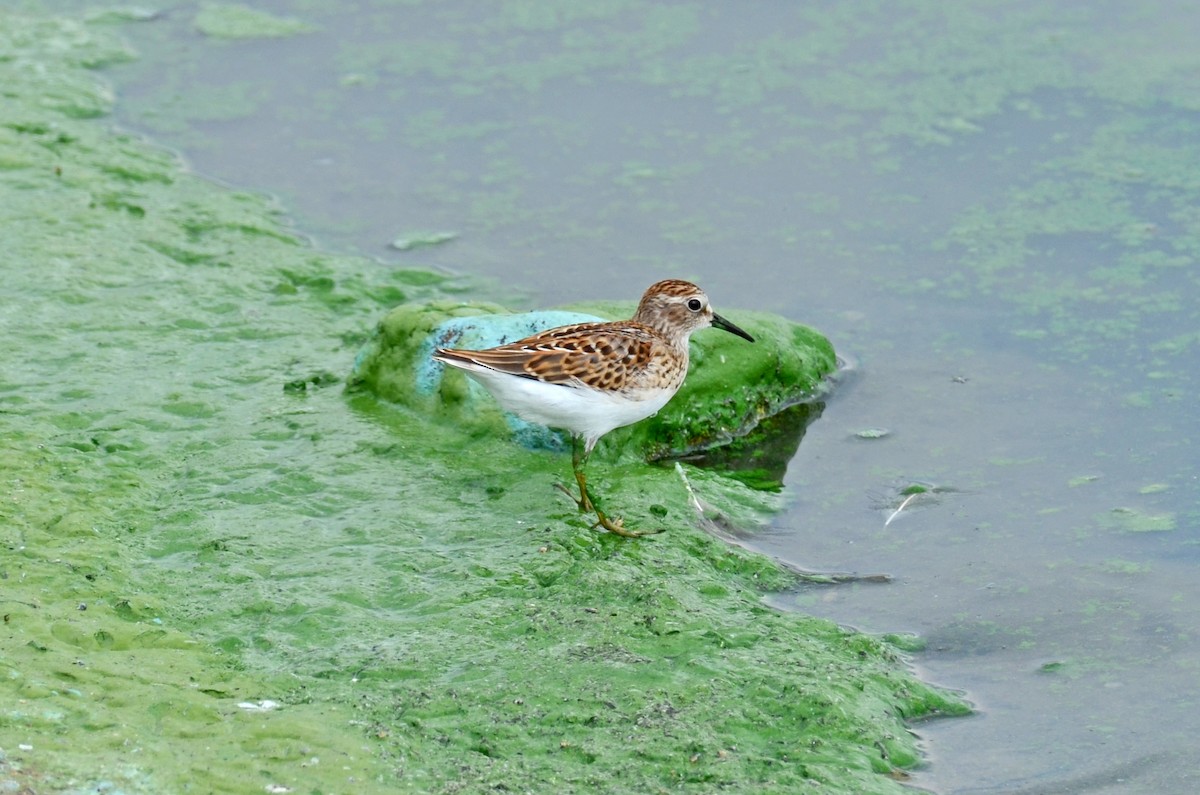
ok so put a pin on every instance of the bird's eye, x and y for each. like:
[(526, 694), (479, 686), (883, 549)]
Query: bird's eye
[(694, 305)]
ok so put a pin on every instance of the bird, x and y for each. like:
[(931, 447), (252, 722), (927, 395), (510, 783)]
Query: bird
[(591, 378)]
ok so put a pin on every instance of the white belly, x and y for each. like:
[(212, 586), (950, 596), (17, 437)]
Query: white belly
[(580, 410)]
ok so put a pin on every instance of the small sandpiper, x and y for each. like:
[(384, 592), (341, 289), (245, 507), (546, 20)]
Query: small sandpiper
[(590, 378)]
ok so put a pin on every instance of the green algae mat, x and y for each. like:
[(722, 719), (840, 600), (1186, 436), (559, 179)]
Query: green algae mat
[(223, 572)]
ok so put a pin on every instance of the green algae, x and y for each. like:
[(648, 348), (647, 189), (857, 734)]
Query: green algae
[(1118, 566), (233, 21), (100, 682), (196, 518), (1132, 520)]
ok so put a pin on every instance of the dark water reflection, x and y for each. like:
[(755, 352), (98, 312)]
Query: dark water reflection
[(994, 211), (760, 458)]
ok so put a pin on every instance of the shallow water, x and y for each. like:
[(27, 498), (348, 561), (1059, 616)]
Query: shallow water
[(986, 211)]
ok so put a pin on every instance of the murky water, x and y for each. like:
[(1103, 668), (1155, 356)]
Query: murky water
[(993, 213)]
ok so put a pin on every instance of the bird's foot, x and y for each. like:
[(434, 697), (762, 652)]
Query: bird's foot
[(617, 526)]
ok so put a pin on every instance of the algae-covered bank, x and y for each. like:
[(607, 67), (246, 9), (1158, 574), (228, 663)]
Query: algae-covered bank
[(223, 573)]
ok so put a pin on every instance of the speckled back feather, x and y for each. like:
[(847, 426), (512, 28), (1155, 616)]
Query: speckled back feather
[(619, 356)]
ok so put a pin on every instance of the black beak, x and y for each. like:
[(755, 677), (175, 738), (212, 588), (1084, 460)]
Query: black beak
[(725, 325)]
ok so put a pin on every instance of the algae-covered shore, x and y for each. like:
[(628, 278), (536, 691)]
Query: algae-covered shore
[(221, 572)]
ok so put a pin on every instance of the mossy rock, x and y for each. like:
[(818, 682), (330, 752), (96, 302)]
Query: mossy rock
[(732, 385)]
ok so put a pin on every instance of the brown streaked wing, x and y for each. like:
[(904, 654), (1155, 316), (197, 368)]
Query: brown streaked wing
[(602, 356)]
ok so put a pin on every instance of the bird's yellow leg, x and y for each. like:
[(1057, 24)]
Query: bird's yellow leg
[(586, 505), (578, 460)]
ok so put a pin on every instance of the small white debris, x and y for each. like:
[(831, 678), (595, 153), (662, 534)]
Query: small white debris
[(266, 705), (25, 747), (422, 240), (277, 788), (904, 504)]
